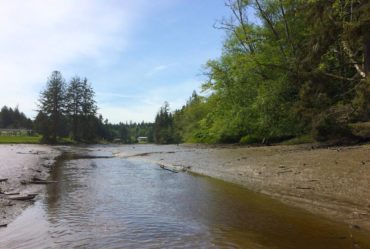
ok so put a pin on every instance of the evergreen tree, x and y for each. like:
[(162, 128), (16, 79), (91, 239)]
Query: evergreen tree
[(52, 104), (163, 126), (88, 111), (74, 105), (14, 119)]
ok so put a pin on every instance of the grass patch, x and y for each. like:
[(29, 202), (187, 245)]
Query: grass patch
[(305, 139), (20, 139), (66, 141)]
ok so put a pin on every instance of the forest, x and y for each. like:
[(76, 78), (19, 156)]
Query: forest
[(298, 69), (14, 119)]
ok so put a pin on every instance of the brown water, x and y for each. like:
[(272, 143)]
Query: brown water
[(118, 203)]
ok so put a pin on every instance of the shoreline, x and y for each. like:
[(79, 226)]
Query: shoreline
[(332, 182), (19, 163)]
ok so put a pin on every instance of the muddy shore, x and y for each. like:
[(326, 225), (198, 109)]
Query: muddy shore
[(333, 182), (21, 163)]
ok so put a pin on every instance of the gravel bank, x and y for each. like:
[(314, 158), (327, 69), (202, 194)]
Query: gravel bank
[(19, 163)]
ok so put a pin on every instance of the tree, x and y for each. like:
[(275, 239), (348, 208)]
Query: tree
[(88, 111), (74, 101), (301, 68), (52, 104), (6, 117), (15, 119), (163, 126)]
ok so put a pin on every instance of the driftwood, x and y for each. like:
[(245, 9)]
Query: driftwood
[(3, 179), (36, 180), (23, 197), (11, 193), (41, 182), (3, 225), (303, 188), (166, 168)]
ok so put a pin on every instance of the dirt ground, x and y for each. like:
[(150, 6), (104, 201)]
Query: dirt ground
[(333, 182), (20, 163)]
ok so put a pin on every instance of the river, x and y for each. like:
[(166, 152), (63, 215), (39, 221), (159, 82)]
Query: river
[(121, 203)]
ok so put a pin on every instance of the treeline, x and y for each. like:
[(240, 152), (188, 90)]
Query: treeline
[(302, 68), (69, 110), (14, 119), (128, 132)]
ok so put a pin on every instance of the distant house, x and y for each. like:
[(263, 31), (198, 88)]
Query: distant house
[(142, 139)]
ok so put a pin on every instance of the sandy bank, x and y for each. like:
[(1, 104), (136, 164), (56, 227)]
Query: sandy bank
[(20, 163), (334, 182)]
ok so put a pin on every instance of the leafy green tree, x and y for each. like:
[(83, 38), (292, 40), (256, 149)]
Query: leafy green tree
[(302, 67)]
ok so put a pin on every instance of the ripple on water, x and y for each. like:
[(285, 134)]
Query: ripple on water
[(116, 203)]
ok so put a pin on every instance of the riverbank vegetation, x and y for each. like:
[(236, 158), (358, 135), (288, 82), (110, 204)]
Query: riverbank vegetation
[(293, 69), (20, 139)]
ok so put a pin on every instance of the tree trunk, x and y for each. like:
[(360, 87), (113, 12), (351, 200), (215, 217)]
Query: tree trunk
[(367, 57)]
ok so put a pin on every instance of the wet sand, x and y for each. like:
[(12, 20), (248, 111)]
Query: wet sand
[(333, 182), (21, 163)]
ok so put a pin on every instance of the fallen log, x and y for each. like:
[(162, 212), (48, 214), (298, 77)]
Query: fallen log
[(166, 168), (22, 197), (11, 193), (3, 225), (36, 180), (3, 179), (303, 188), (283, 172), (41, 182)]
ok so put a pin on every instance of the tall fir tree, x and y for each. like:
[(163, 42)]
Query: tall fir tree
[(74, 97), (52, 104)]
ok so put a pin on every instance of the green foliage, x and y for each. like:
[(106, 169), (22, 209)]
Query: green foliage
[(20, 139), (249, 140), (52, 107), (304, 139), (73, 104), (302, 68), (14, 119), (163, 126), (127, 132), (328, 127)]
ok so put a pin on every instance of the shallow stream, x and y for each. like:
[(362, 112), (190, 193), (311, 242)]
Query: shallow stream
[(120, 203)]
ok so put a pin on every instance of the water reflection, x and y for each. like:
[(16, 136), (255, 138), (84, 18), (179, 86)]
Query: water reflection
[(116, 203)]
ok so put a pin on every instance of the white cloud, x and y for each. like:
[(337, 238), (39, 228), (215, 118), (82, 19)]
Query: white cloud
[(92, 36), (38, 36), (158, 68)]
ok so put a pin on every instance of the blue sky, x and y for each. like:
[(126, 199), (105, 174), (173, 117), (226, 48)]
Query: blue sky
[(136, 54)]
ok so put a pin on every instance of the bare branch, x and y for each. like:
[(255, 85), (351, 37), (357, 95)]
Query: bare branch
[(351, 56)]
